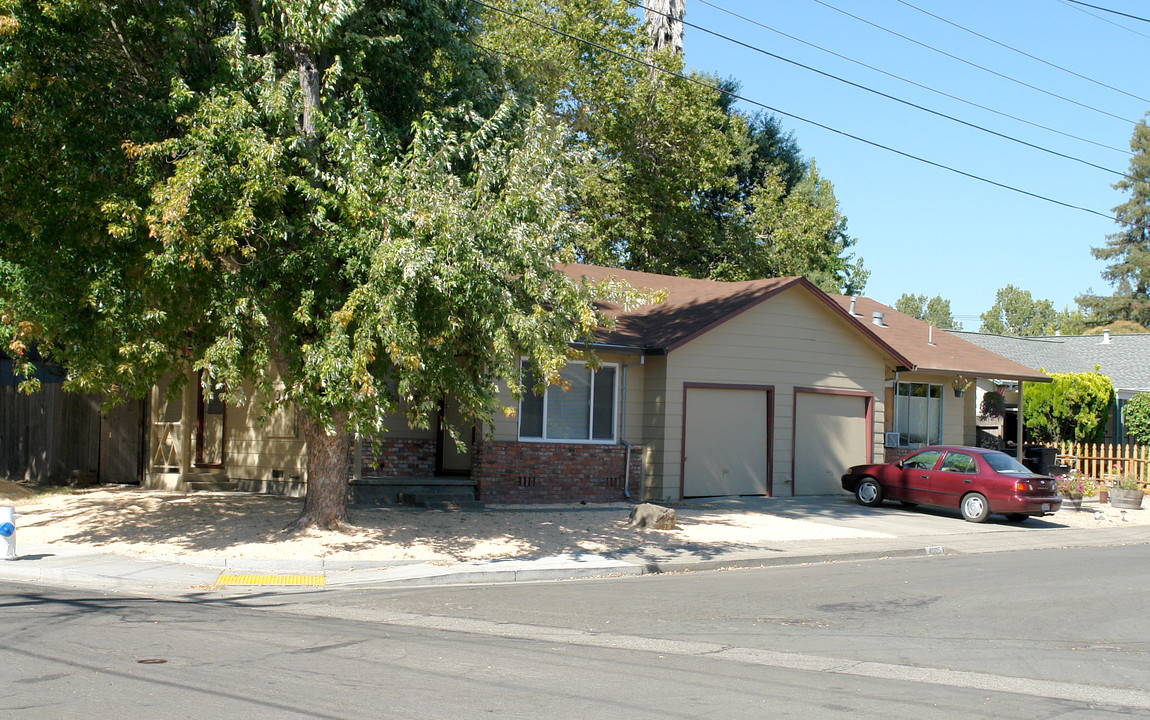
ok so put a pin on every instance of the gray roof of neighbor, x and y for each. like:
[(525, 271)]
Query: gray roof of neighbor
[(1125, 359)]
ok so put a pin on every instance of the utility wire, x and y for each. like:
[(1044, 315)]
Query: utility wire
[(756, 103), (881, 94), (1022, 52), (1103, 19), (1108, 10), (974, 65), (752, 21)]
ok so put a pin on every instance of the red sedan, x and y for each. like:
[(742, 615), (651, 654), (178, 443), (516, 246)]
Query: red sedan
[(975, 481)]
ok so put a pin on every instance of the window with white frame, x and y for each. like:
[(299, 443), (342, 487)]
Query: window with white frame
[(918, 414), (583, 412)]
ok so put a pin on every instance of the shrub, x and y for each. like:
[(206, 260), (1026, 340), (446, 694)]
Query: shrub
[(1072, 407), (1136, 418)]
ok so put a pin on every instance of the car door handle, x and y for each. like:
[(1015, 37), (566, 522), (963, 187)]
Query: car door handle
[(967, 481), (925, 477)]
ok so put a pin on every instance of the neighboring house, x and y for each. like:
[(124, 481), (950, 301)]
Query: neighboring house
[(1122, 358), (936, 402), (765, 387)]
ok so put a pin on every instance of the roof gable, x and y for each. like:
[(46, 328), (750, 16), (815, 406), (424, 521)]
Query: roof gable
[(695, 306)]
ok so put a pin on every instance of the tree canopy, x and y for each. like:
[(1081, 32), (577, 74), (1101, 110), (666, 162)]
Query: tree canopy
[(1128, 250), (675, 179), (935, 310), (1016, 312), (331, 195)]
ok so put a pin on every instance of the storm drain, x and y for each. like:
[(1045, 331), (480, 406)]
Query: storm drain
[(311, 580)]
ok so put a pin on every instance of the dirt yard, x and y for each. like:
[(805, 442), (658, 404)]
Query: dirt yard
[(130, 521)]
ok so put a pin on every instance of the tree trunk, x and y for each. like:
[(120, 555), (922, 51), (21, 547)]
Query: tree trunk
[(328, 473)]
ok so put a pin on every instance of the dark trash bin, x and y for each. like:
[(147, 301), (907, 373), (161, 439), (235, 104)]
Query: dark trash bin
[(1039, 459)]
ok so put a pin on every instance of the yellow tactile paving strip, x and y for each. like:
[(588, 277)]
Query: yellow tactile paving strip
[(230, 579)]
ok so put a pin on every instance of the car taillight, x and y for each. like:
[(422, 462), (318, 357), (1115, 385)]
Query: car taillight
[(1021, 486)]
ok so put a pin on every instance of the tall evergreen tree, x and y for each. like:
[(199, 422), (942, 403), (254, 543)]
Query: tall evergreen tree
[(1128, 250)]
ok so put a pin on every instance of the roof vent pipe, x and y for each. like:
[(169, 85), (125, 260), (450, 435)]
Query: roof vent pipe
[(1106, 336), (854, 300), (877, 319)]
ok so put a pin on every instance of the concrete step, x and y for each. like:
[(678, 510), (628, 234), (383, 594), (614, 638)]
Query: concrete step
[(211, 485), (439, 498), (430, 492)]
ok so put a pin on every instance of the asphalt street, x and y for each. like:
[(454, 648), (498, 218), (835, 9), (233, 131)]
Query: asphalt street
[(1029, 634)]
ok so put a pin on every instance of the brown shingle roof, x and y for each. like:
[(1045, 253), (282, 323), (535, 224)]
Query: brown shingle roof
[(949, 354), (694, 306)]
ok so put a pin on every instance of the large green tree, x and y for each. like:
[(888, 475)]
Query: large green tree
[(1017, 312), (324, 193), (935, 310), (1127, 251), (675, 180)]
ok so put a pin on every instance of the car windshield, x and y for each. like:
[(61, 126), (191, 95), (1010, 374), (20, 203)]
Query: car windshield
[(1004, 464)]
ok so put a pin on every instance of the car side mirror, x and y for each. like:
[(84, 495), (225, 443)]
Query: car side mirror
[(898, 464)]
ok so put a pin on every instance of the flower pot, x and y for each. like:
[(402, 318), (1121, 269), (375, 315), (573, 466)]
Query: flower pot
[(1071, 501), (1126, 499)]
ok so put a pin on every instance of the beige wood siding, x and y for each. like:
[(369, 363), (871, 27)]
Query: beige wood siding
[(791, 340)]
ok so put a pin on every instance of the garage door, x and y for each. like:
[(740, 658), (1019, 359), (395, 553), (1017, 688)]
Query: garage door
[(831, 434), (726, 442)]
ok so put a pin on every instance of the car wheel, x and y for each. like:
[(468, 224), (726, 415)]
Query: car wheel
[(869, 492), (1017, 517), (975, 508)]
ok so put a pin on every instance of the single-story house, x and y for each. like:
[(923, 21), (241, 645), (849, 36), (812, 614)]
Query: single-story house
[(1120, 357), (764, 387)]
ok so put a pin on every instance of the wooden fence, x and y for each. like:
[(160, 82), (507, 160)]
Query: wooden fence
[(1101, 461)]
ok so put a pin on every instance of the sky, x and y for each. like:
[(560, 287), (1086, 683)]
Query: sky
[(926, 230)]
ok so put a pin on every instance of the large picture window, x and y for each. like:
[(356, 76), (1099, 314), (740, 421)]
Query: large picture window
[(583, 412), (918, 414)]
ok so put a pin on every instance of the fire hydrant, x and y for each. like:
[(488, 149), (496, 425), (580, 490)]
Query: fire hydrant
[(8, 531)]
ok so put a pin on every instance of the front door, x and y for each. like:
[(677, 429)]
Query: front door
[(450, 459), (210, 428)]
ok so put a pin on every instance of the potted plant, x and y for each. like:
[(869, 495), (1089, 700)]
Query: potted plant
[(1126, 492), (1072, 487)]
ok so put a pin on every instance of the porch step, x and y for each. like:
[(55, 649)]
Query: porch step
[(444, 493), (439, 498), (210, 485)]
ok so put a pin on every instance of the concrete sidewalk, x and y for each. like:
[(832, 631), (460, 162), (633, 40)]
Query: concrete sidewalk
[(899, 533)]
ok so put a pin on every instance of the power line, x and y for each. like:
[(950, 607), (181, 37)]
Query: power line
[(936, 113), (1021, 52), (1108, 10), (1105, 20), (919, 85), (784, 113), (972, 64)]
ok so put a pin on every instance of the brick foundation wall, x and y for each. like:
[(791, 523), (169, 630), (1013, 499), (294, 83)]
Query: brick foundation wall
[(526, 472), (892, 454), (398, 457)]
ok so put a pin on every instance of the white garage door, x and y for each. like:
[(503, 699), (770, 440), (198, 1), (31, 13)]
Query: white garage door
[(726, 447), (831, 434)]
